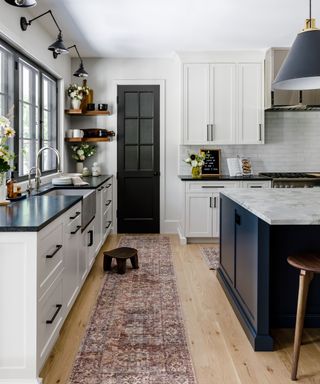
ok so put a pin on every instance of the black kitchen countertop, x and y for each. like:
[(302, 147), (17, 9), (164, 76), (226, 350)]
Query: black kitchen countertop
[(35, 212), (224, 178)]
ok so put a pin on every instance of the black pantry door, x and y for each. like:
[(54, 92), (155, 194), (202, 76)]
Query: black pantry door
[(138, 159)]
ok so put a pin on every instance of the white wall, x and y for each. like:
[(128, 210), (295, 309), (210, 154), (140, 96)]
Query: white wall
[(34, 43), (103, 75)]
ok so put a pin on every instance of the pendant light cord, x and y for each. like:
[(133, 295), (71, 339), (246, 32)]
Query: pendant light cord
[(310, 13)]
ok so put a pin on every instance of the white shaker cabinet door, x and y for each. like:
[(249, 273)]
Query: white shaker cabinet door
[(222, 129), (199, 215), (196, 97), (251, 116)]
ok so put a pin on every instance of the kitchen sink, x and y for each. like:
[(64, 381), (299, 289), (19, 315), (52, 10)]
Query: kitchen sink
[(88, 203)]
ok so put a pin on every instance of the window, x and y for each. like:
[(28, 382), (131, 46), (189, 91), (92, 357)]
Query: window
[(33, 93)]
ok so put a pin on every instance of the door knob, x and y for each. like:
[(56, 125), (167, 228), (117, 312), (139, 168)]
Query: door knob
[(157, 173)]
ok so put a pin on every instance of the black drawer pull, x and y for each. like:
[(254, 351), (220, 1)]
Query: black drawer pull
[(108, 203), (255, 186), (74, 232), (75, 216), (90, 238), (58, 306), (56, 251), (108, 186), (108, 224), (100, 189), (212, 186)]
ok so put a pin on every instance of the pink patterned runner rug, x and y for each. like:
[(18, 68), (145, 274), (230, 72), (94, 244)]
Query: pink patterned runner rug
[(136, 333), (211, 257)]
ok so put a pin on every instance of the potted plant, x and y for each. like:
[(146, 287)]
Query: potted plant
[(76, 93), (196, 161), (6, 156), (82, 152)]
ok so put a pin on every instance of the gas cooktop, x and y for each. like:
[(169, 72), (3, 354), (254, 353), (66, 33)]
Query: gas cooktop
[(288, 175)]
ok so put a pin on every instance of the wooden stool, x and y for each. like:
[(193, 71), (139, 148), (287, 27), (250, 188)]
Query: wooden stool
[(121, 255), (309, 264)]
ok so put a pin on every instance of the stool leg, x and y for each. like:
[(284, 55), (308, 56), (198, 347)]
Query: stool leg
[(134, 262), (107, 260), (304, 282), (121, 266)]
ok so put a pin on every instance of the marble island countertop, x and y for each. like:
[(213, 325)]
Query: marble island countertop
[(298, 206)]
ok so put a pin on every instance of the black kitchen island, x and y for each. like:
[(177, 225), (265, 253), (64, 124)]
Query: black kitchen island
[(258, 231)]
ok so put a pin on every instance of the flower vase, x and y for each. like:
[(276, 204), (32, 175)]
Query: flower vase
[(196, 172), (79, 166), (75, 103), (3, 187)]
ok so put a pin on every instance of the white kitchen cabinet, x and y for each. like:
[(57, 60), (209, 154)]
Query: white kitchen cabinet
[(196, 103), (201, 206), (222, 103), (72, 233), (250, 107)]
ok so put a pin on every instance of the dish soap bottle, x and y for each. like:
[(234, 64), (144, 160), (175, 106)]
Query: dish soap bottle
[(12, 187)]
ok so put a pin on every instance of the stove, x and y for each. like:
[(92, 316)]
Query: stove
[(293, 179)]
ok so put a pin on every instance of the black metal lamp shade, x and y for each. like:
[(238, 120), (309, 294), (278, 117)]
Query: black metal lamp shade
[(22, 3), (58, 46), (81, 72), (301, 69)]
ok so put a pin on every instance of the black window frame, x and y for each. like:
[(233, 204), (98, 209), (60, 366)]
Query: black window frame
[(18, 55)]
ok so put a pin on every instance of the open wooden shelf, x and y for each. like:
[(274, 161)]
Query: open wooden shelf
[(78, 112), (86, 139)]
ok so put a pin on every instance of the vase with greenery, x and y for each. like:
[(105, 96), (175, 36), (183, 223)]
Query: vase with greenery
[(6, 156), (196, 161), (77, 93), (81, 152)]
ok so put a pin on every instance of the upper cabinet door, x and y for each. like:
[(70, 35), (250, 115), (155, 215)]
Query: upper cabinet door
[(196, 97), (251, 116), (222, 103)]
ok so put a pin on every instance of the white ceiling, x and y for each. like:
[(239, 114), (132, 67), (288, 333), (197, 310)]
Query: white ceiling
[(157, 28)]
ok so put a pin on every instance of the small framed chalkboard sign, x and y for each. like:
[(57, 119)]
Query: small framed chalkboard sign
[(212, 163)]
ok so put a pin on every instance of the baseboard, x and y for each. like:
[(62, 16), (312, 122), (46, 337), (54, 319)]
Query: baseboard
[(170, 226), (202, 240)]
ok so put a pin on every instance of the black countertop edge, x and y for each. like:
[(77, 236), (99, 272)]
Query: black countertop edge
[(224, 178), (94, 183), (17, 206)]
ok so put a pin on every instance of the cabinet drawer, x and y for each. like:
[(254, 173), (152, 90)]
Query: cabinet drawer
[(50, 317), (210, 186), (256, 184), (50, 251), (73, 213)]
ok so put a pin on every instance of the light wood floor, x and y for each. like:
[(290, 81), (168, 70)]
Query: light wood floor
[(220, 351)]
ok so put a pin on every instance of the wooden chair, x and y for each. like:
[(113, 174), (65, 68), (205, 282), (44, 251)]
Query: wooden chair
[(309, 264)]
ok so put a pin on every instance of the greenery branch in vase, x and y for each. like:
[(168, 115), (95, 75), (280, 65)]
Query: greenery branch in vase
[(81, 152), (196, 161), (6, 156), (77, 93)]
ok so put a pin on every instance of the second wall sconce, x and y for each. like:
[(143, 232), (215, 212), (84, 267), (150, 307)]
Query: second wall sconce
[(22, 3)]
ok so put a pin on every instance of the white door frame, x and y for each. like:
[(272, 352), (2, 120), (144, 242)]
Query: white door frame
[(162, 84)]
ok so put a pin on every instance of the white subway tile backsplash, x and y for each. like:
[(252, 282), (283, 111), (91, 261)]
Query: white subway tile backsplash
[(292, 144)]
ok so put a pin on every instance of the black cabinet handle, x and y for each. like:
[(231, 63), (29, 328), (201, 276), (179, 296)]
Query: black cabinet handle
[(237, 219), (108, 186), (75, 216), (255, 186), (74, 232), (108, 224), (58, 306), (108, 203), (56, 251), (90, 238), (210, 203), (214, 202), (100, 189), (212, 186)]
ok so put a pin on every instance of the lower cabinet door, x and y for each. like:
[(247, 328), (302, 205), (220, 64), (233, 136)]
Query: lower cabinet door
[(199, 215), (50, 318), (246, 249)]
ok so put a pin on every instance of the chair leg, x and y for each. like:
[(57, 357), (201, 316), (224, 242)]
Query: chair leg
[(304, 282), (107, 260)]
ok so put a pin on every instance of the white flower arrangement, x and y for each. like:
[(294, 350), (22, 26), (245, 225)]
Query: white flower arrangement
[(195, 159), (82, 151), (76, 91)]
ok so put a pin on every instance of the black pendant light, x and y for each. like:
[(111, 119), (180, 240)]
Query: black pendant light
[(301, 68), (58, 46), (22, 3)]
